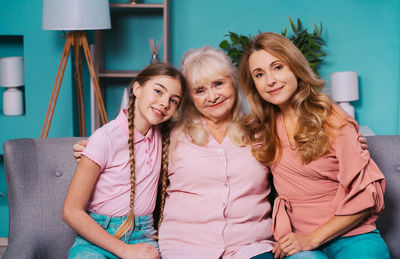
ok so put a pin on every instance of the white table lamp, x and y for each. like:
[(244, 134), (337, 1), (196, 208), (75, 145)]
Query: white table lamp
[(12, 76), (76, 16), (344, 89)]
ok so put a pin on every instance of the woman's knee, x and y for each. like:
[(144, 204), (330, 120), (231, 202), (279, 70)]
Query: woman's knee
[(267, 255), (316, 254), (363, 246)]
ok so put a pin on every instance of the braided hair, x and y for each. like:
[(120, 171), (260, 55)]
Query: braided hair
[(148, 73)]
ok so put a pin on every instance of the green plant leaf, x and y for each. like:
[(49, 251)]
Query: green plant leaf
[(234, 38), (316, 33), (244, 41), (292, 25), (299, 27), (224, 44)]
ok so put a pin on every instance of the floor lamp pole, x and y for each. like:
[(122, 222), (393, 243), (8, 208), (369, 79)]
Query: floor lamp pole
[(77, 39)]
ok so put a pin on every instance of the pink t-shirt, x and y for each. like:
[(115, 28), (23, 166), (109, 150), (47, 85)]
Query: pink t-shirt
[(217, 204), (108, 147), (343, 182)]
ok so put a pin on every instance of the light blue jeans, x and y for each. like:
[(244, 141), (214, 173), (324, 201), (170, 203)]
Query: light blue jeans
[(365, 246), (141, 233), (267, 255)]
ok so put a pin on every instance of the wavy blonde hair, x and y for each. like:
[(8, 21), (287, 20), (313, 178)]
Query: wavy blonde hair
[(200, 66), (148, 73), (313, 108)]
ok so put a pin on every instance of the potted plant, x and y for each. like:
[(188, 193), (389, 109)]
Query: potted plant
[(310, 44)]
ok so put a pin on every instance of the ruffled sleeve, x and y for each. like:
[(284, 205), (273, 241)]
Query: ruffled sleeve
[(361, 183)]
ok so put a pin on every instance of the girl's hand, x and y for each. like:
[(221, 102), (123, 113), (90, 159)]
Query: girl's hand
[(78, 148), (293, 243), (140, 251), (363, 141)]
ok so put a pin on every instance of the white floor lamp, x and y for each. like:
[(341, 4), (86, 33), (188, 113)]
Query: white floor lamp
[(76, 16)]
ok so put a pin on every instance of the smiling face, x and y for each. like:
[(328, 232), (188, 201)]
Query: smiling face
[(156, 101), (215, 98), (274, 80)]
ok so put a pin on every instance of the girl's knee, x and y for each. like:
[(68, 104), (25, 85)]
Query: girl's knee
[(85, 253)]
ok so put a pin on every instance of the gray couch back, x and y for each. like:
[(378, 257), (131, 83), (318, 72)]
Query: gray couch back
[(38, 172), (385, 150)]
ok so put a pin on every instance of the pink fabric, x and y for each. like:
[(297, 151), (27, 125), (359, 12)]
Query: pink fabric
[(217, 203), (344, 182), (108, 147)]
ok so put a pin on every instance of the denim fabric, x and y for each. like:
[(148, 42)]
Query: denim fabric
[(141, 233), (315, 254), (267, 255), (365, 246)]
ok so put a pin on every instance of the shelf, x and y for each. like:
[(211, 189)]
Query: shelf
[(118, 73), (137, 6), (140, 14)]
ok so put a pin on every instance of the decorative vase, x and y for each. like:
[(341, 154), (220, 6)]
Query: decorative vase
[(154, 59)]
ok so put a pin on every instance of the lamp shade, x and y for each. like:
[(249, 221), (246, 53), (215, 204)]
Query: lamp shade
[(344, 86), (11, 71), (76, 15)]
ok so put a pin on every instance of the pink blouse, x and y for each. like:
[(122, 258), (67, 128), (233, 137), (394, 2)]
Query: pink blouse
[(217, 204), (343, 182), (108, 147)]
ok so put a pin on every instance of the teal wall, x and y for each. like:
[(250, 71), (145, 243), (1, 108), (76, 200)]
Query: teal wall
[(361, 35)]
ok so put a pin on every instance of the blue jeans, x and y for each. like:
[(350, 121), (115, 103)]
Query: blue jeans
[(364, 246), (267, 255), (141, 233)]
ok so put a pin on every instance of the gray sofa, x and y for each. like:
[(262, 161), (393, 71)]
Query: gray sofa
[(38, 172)]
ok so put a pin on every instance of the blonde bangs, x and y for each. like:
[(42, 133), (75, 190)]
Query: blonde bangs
[(206, 70)]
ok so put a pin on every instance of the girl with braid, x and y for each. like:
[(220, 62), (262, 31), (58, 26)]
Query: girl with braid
[(113, 193)]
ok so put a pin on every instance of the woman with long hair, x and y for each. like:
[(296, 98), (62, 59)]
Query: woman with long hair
[(330, 190)]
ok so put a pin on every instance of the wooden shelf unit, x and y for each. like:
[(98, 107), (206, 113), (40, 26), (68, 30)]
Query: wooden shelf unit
[(99, 49)]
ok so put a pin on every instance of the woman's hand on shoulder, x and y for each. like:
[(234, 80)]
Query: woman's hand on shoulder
[(292, 243), (363, 141), (78, 148), (140, 251)]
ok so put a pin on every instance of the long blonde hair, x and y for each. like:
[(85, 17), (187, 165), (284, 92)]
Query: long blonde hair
[(312, 107), (200, 66), (151, 71)]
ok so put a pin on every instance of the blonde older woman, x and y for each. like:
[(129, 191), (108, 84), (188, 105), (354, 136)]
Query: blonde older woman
[(217, 204)]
